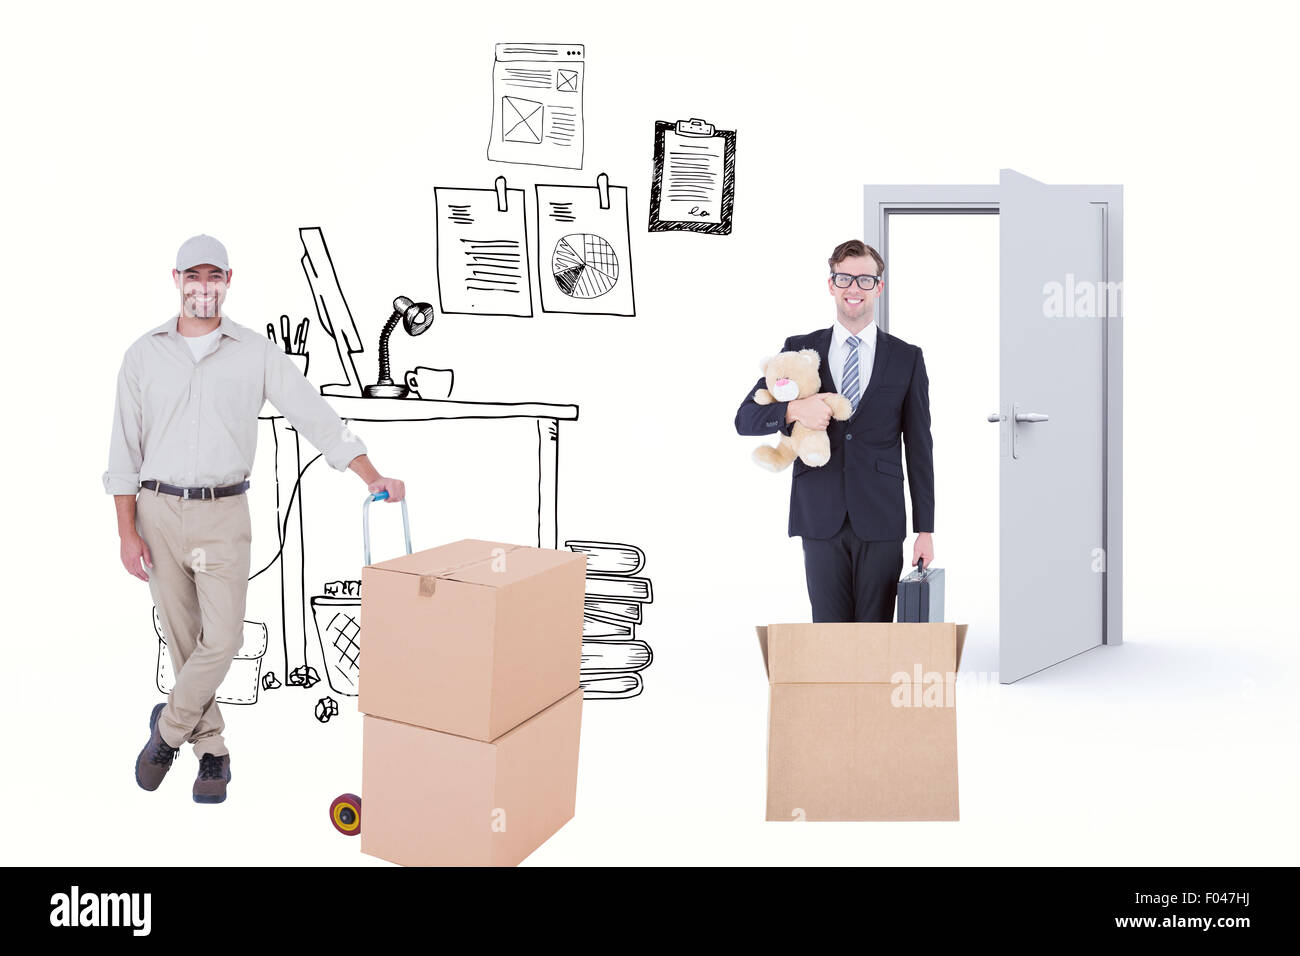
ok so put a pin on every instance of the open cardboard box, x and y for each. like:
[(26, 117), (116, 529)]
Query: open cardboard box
[(863, 720)]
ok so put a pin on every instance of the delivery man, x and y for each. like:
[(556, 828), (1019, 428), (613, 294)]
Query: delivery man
[(850, 511), (184, 433)]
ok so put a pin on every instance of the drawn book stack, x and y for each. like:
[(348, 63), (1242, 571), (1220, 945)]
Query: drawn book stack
[(470, 688), (612, 657)]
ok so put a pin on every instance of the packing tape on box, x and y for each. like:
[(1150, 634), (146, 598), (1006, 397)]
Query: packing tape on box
[(428, 582)]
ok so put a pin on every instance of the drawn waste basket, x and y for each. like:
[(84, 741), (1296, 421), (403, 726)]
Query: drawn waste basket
[(337, 614)]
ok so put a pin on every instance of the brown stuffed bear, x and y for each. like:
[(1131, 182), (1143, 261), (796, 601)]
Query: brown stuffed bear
[(792, 375)]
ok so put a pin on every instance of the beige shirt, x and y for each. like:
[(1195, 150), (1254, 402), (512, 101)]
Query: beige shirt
[(189, 422)]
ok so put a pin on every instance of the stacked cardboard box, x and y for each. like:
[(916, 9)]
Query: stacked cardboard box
[(470, 688)]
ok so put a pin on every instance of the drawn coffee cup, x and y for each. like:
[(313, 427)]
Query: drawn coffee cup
[(429, 383)]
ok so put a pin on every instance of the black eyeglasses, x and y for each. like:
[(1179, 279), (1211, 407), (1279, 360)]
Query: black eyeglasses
[(843, 280)]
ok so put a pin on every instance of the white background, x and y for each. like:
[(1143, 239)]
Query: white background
[(129, 128)]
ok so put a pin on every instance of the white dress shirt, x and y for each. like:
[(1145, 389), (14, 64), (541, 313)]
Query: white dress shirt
[(839, 350), (188, 421)]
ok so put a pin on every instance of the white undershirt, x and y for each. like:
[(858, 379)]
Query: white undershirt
[(836, 354), (201, 345)]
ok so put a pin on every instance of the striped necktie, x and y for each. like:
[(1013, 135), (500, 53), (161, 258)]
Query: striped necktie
[(850, 375)]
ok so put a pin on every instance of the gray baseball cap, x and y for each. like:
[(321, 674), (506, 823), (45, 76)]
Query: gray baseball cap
[(201, 249)]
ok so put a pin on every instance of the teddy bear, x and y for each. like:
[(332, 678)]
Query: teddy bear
[(792, 375)]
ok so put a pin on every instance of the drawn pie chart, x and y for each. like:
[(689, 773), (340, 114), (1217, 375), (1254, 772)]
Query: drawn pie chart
[(585, 266)]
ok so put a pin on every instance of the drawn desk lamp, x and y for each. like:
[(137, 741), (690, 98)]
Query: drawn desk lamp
[(417, 317)]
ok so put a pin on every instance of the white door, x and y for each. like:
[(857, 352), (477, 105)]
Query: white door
[(1060, 403), (1054, 305)]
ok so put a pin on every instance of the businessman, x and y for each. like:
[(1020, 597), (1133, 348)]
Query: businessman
[(850, 512), (184, 434)]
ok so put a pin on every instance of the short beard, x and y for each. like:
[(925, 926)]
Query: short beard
[(196, 312)]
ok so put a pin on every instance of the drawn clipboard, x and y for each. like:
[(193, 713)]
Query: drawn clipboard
[(693, 183)]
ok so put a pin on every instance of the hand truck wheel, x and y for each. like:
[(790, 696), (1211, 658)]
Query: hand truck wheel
[(345, 814)]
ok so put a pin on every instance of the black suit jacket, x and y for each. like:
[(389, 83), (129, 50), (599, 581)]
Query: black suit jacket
[(865, 474)]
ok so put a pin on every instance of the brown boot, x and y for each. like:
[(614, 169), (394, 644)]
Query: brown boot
[(214, 774), (156, 758)]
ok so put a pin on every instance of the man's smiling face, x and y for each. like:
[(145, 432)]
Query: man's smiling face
[(203, 289), (855, 305)]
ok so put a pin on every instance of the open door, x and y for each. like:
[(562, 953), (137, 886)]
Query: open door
[(1060, 404), (1055, 302)]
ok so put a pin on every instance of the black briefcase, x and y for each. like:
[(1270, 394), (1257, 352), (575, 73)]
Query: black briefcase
[(920, 596)]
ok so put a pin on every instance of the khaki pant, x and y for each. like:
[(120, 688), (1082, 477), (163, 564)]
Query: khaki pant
[(199, 582)]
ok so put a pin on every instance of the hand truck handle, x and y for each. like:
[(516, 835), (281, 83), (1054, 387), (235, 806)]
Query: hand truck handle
[(365, 522)]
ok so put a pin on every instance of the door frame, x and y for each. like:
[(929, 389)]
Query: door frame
[(882, 201)]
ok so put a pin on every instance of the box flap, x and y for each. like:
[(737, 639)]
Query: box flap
[(961, 643), (858, 653), (762, 646), (445, 560), (518, 563)]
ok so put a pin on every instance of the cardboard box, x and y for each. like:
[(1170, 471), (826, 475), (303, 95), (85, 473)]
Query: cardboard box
[(863, 721), (472, 638), (436, 799)]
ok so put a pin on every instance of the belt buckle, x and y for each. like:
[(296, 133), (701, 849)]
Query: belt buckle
[(186, 494)]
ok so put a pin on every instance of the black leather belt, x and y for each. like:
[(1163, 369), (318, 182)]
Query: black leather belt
[(203, 491)]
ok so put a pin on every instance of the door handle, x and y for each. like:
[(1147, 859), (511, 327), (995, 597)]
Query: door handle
[(1017, 417)]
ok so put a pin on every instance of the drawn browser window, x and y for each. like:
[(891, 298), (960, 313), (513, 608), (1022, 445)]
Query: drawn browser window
[(537, 104)]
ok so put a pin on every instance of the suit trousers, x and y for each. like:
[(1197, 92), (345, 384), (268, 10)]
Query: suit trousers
[(851, 580), (199, 581)]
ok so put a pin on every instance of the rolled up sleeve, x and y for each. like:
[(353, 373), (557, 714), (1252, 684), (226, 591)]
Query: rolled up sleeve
[(306, 409), (125, 452)]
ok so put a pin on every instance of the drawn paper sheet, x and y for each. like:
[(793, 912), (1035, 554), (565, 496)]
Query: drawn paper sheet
[(537, 104), (584, 252), (692, 177), (482, 251)]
